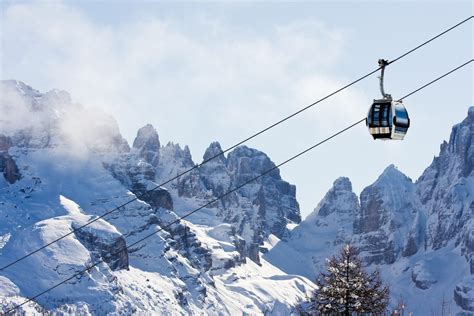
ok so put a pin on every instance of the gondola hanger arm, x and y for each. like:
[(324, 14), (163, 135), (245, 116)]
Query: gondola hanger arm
[(382, 64)]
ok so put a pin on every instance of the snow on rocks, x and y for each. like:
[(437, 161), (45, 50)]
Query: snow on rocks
[(464, 294), (422, 276), (389, 212), (446, 188), (147, 144), (7, 287)]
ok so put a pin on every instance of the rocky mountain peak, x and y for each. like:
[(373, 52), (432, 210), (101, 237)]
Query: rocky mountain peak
[(147, 144), (213, 150), (394, 175), (173, 161), (342, 184), (338, 200), (244, 162), (390, 211), (174, 152)]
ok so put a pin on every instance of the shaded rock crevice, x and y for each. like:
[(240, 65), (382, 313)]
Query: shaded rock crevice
[(112, 249), (8, 166)]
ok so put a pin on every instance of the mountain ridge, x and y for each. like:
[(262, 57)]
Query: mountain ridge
[(406, 229), (210, 262), (238, 255)]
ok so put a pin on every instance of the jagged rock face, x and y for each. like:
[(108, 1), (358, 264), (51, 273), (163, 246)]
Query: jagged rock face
[(174, 160), (111, 248), (337, 210), (184, 240), (339, 200), (38, 120), (138, 176), (274, 197), (389, 213), (147, 145), (214, 174), (446, 188), (256, 210), (7, 164)]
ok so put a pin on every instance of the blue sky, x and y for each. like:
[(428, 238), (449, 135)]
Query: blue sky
[(207, 71)]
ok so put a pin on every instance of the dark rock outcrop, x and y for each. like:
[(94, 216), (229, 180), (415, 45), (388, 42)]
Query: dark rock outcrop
[(7, 164), (110, 246), (157, 198), (421, 276), (339, 199), (464, 294), (274, 198)]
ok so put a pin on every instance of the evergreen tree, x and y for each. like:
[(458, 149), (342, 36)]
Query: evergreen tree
[(345, 288)]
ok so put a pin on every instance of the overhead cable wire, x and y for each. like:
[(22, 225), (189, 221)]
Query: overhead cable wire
[(434, 80), (139, 196), (431, 39), (88, 268)]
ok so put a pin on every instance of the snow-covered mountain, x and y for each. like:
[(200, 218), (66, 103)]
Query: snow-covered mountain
[(63, 164), (420, 235)]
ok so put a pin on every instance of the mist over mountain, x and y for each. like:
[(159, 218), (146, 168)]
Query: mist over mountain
[(63, 164)]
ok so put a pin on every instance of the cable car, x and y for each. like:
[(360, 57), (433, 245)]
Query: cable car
[(387, 119)]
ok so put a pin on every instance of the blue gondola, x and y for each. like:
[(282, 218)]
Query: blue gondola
[(387, 119)]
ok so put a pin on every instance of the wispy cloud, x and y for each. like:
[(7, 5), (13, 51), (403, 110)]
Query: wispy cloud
[(173, 74)]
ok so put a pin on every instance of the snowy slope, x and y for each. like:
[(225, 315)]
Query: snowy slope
[(328, 227), (62, 164)]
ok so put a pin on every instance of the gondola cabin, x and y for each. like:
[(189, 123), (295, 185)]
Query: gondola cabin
[(387, 119)]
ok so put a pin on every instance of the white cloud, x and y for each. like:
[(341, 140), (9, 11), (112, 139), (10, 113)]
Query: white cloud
[(153, 68)]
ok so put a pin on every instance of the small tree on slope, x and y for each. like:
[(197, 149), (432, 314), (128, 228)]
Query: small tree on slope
[(345, 288)]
